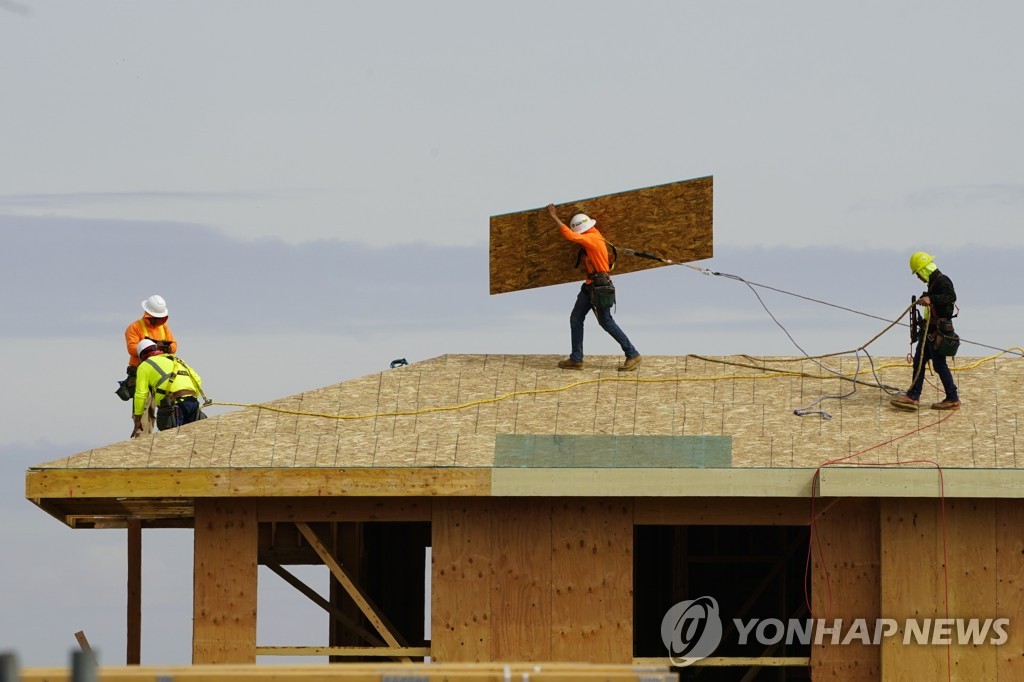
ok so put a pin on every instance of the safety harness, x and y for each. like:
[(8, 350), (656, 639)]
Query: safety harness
[(169, 396)]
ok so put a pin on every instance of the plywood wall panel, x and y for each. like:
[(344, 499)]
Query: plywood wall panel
[(592, 581), (912, 585), (224, 587), (521, 580), (1010, 586), (971, 547), (845, 584), (460, 620), (672, 221)]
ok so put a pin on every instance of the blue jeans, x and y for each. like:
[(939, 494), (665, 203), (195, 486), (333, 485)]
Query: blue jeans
[(604, 318), (940, 367)]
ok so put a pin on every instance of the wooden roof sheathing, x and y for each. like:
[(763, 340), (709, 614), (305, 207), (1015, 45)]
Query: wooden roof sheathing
[(672, 221), (449, 412)]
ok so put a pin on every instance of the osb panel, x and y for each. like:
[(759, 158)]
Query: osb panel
[(521, 580), (672, 221), (462, 402), (971, 527), (224, 609), (845, 583), (592, 581), (460, 611)]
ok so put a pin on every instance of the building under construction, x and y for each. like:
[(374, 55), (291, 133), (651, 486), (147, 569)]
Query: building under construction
[(567, 512)]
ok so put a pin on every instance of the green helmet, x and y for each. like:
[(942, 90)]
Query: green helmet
[(923, 265)]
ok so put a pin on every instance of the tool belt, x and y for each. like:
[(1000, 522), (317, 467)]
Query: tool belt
[(126, 387), (602, 291), (175, 396), (944, 340)]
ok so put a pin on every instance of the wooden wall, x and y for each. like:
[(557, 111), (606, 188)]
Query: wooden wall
[(224, 588), (532, 580), (672, 221), (845, 583), (985, 549)]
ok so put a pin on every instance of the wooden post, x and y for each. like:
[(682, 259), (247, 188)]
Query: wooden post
[(134, 615)]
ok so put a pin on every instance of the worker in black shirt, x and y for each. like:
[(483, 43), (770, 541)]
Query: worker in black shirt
[(938, 300)]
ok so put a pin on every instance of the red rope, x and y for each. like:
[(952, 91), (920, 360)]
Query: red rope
[(814, 541)]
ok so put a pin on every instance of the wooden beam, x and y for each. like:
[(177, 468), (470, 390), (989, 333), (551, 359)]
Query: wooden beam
[(343, 509), (924, 482), (255, 482), (224, 582), (743, 511), (735, 662), (133, 655), (365, 605), (315, 597), (347, 651), (83, 642), (644, 482)]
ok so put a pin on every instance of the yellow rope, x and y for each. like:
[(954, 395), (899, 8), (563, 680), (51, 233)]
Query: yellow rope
[(772, 373)]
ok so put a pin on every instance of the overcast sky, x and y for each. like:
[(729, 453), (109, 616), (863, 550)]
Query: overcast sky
[(309, 184)]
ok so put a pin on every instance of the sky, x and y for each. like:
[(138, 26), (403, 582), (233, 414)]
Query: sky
[(308, 184)]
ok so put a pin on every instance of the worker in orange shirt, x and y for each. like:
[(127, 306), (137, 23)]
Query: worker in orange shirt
[(597, 292), (153, 326)]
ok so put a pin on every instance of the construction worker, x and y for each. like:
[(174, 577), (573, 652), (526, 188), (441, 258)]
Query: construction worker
[(152, 325), (938, 302), (170, 383), (597, 292)]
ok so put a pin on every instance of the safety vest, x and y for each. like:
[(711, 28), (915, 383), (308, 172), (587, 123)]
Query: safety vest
[(148, 334), (165, 384)]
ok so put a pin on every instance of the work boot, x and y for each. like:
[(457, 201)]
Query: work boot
[(631, 363), (947, 405), (570, 364), (904, 402)]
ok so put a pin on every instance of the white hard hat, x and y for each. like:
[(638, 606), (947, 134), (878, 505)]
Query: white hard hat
[(142, 346), (155, 306), (581, 223)]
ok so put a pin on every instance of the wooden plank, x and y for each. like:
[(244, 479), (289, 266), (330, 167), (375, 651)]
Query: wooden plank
[(340, 616), (742, 511), (846, 584), (641, 482), (736, 662), (344, 509), (460, 599), (592, 580), (345, 651), (1010, 586), (224, 582), (368, 608), (521, 580), (255, 482), (971, 547), (924, 482), (133, 627), (912, 585), (672, 221)]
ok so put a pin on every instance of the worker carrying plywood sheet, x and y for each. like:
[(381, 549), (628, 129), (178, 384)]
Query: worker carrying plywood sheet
[(596, 293)]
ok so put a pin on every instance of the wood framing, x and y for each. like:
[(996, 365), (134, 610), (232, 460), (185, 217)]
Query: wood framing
[(672, 221), (133, 655), (224, 612)]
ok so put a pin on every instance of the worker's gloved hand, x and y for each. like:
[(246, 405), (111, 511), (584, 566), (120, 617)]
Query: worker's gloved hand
[(136, 426), (164, 346)]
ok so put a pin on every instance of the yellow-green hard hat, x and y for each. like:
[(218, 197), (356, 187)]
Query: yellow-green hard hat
[(922, 264)]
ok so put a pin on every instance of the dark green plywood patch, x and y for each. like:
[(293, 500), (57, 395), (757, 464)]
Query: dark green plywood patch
[(596, 452)]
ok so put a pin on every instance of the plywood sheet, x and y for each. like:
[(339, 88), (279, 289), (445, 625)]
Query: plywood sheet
[(521, 580), (672, 221), (845, 584), (592, 580), (224, 610), (460, 610)]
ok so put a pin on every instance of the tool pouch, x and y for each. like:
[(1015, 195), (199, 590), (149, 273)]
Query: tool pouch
[(602, 291), (166, 417), (944, 340), (126, 387)]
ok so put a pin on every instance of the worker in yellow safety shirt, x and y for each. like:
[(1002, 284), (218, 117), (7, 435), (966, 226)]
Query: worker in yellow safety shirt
[(172, 385), (152, 325)]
